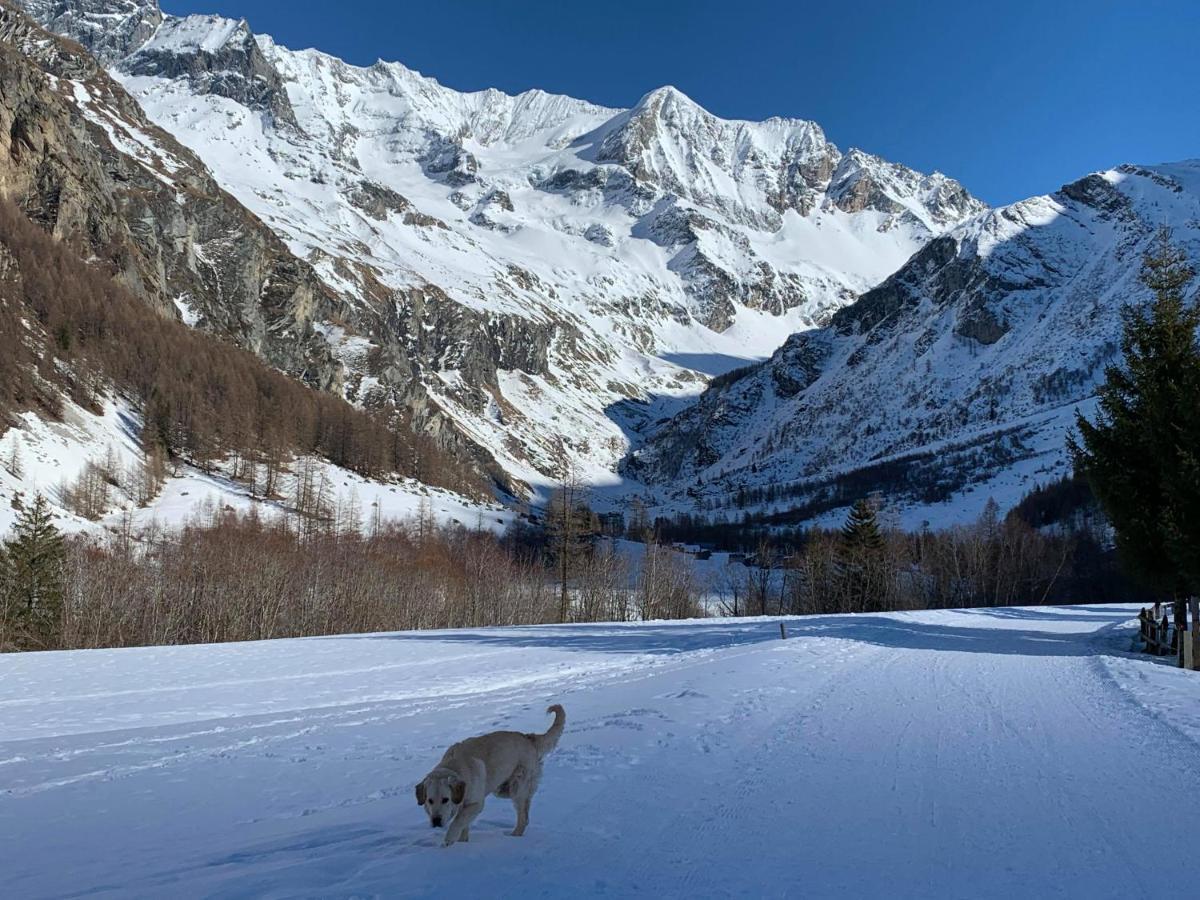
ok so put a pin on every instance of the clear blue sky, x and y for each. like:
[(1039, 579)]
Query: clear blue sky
[(1011, 98)]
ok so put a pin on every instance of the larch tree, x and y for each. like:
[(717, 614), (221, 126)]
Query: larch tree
[(570, 529)]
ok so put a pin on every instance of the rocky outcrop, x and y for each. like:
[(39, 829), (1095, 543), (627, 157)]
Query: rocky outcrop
[(154, 215), (108, 29), (215, 57), (447, 161)]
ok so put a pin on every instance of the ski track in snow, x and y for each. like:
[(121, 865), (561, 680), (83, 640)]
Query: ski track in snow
[(977, 753)]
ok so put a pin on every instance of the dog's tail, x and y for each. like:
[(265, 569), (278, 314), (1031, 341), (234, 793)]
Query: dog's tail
[(548, 741)]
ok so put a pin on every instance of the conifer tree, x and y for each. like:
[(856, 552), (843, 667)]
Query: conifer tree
[(1139, 453), (32, 577), (860, 556)]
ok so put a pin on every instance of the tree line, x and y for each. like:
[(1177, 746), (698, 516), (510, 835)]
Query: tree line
[(230, 577), (68, 329), (867, 566)]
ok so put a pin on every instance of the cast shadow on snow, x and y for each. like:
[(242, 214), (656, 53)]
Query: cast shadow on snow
[(1053, 614), (877, 630), (711, 364), (652, 639)]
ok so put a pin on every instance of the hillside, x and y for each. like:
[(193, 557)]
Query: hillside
[(113, 409), (956, 379), (982, 753), (144, 310)]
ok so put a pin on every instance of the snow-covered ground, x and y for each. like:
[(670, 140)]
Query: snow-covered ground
[(977, 753)]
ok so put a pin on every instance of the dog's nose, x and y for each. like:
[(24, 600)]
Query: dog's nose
[(437, 823)]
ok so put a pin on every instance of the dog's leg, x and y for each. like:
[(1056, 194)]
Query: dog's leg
[(459, 828), (466, 835), (522, 805)]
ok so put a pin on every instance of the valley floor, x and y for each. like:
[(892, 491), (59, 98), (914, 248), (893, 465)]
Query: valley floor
[(978, 753)]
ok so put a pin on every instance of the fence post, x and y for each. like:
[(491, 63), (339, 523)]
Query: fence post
[(1194, 608), (782, 631)]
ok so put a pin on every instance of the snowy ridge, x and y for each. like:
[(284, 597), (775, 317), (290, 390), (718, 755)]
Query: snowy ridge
[(956, 379), (611, 257), (195, 33)]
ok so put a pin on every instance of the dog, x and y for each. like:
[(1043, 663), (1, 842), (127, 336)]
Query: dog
[(505, 763)]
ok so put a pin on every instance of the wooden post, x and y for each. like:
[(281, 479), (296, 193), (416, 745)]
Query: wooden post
[(1189, 650), (1194, 603), (782, 631)]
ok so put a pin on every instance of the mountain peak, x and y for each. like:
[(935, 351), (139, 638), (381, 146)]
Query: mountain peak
[(666, 94)]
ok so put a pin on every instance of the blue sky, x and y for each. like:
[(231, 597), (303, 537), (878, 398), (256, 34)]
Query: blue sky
[(1011, 98)]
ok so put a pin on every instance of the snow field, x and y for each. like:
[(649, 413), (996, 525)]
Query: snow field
[(975, 753)]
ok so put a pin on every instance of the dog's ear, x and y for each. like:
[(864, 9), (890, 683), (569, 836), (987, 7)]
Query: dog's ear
[(421, 794), (458, 791)]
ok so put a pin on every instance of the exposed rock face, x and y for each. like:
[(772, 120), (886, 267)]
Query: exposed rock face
[(447, 161), (154, 214), (571, 257), (962, 371), (376, 200), (215, 56), (108, 29)]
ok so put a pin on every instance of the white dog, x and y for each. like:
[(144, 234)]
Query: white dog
[(504, 763)]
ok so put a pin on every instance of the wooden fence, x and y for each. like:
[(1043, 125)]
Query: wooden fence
[(1162, 637)]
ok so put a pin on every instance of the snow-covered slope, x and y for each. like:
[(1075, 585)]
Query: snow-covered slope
[(957, 378), (51, 458), (542, 259), (981, 753)]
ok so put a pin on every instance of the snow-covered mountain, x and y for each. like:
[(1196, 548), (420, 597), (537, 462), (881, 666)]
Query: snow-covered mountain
[(533, 276), (955, 379)]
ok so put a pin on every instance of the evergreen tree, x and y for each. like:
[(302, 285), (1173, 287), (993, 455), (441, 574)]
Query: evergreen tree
[(32, 581), (1139, 454), (860, 557)]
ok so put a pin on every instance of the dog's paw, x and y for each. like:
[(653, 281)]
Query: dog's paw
[(449, 841)]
